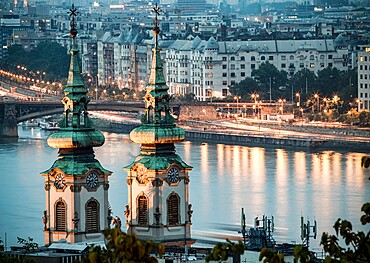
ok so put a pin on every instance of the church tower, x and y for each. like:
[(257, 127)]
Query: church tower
[(158, 182), (76, 185)]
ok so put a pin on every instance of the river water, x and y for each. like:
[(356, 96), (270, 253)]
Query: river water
[(284, 183)]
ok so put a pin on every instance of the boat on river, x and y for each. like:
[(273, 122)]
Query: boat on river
[(31, 123), (49, 125)]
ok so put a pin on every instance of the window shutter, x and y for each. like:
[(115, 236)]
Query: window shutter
[(143, 210), (173, 210), (60, 211), (92, 216)]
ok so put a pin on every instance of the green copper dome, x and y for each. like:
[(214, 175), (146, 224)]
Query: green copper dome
[(76, 127), (67, 139), (157, 123), (146, 134)]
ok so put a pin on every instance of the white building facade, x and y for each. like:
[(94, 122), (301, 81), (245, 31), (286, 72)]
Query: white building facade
[(208, 68), (364, 79)]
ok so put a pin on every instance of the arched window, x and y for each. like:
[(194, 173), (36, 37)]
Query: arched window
[(92, 216), (60, 216), (253, 58), (263, 58), (173, 207), (142, 210)]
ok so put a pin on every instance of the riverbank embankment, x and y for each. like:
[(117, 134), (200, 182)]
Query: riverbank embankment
[(211, 132)]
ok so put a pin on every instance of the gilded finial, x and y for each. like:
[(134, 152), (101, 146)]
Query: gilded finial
[(72, 14)]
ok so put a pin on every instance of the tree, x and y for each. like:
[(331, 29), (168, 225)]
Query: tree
[(124, 248), (49, 57), (329, 81), (28, 244), (246, 87), (357, 247), (267, 74), (222, 251), (301, 80), (357, 244), (348, 88)]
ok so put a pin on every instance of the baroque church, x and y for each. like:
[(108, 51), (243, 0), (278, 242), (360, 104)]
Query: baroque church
[(76, 185)]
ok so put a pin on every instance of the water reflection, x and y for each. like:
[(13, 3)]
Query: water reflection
[(285, 183)]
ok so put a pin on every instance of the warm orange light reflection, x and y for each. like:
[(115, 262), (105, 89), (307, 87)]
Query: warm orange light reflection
[(355, 173), (187, 151), (204, 149), (281, 179), (220, 157)]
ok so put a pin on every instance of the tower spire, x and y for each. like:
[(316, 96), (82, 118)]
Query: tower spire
[(76, 179), (158, 177), (156, 29), (74, 81)]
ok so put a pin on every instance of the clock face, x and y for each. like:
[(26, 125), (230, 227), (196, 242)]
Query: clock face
[(141, 174), (92, 180), (59, 182), (173, 175)]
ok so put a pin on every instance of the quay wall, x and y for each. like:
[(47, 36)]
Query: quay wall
[(255, 140), (311, 128), (302, 142)]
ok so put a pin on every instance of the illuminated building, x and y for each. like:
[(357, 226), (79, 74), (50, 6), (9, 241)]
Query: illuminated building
[(158, 183), (76, 185)]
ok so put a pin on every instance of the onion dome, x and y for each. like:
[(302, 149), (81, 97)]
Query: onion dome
[(157, 123), (76, 130)]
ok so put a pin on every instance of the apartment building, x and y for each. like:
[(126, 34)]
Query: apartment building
[(207, 68), (364, 79)]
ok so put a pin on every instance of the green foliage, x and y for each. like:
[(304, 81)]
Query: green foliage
[(49, 57), (222, 251), (28, 244), (267, 72), (303, 255), (245, 88), (329, 81), (357, 245), (365, 161), (271, 256), (121, 247)]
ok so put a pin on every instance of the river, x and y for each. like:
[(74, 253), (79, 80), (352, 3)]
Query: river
[(284, 183)]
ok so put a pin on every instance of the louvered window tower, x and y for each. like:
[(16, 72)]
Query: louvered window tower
[(60, 216), (143, 210), (92, 216), (173, 205)]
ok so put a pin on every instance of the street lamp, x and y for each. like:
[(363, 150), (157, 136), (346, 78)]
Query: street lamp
[(358, 101), (317, 98), (282, 106), (336, 100), (237, 98), (255, 96), (298, 96)]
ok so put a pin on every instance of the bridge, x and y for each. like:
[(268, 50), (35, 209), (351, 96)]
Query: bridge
[(14, 111)]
